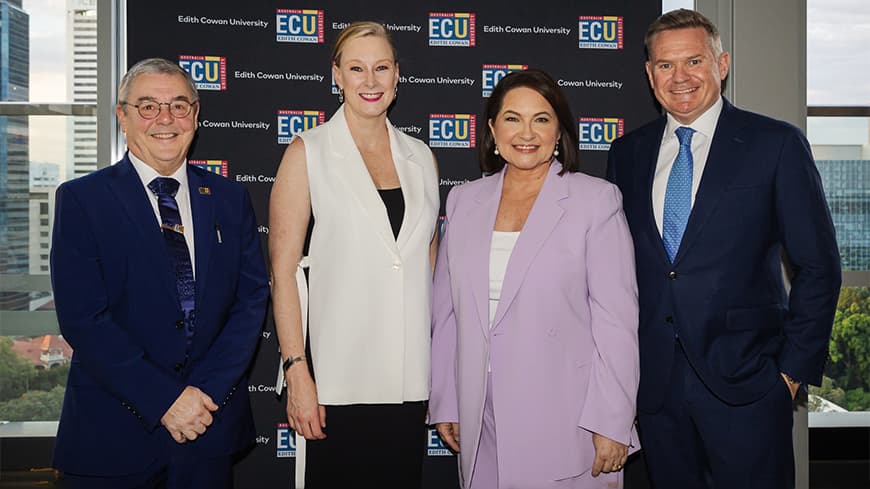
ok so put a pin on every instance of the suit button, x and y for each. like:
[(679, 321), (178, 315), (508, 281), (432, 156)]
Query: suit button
[(179, 324), (669, 319), (672, 275), (178, 367)]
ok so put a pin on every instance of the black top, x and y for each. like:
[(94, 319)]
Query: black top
[(395, 204)]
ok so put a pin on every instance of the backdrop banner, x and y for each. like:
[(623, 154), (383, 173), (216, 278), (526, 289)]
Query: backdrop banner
[(263, 71)]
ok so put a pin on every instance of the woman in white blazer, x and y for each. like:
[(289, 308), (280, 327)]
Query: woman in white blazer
[(373, 193)]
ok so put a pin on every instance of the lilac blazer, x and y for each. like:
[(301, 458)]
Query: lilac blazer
[(563, 344)]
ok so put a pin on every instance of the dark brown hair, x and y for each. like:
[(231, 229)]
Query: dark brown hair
[(544, 84)]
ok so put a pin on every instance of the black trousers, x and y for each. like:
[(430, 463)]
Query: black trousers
[(369, 446)]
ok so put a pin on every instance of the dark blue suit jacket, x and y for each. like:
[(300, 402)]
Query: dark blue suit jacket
[(117, 307), (760, 198)]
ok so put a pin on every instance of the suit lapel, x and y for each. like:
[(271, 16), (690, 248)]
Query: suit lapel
[(131, 196), (411, 179), (348, 166), (204, 227), (477, 247), (720, 168), (545, 214)]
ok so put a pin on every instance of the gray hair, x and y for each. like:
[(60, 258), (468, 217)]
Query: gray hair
[(684, 19), (154, 66)]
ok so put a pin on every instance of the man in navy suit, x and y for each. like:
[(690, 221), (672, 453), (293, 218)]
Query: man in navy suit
[(715, 198), (160, 288)]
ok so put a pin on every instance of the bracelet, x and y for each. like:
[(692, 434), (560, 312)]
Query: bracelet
[(290, 361), (791, 380)]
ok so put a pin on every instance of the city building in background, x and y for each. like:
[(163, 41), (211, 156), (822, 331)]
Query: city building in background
[(81, 48), (845, 172), (14, 158)]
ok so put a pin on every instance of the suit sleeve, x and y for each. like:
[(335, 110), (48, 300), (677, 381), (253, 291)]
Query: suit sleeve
[(810, 245), (229, 356), (102, 347), (610, 399), (443, 398)]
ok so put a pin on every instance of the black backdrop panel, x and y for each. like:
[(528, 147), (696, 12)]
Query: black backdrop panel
[(263, 69)]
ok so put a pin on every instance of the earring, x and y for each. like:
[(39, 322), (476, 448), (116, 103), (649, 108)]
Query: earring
[(341, 95), (496, 151), (556, 151), (396, 92)]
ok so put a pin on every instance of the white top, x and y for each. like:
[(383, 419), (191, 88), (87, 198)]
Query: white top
[(503, 243), (146, 174), (705, 128)]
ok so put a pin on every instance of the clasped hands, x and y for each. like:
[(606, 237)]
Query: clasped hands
[(190, 415)]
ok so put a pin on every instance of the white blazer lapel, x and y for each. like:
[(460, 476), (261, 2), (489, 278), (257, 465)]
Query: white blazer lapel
[(348, 167), (410, 172)]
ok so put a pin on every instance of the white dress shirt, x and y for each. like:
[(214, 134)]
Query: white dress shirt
[(705, 127), (146, 174)]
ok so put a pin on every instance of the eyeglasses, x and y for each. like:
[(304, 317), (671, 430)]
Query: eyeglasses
[(177, 108)]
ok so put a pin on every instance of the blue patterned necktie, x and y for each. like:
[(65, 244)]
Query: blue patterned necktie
[(179, 255), (678, 195)]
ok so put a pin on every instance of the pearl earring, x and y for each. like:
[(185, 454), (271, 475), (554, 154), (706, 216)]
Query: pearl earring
[(556, 151), (496, 151)]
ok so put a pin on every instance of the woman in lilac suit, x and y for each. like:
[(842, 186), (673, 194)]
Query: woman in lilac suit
[(534, 329)]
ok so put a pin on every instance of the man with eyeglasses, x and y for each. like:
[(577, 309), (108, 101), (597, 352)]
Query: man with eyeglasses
[(160, 288)]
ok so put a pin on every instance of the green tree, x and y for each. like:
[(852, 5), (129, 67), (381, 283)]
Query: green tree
[(850, 340), (48, 379), (34, 406), (15, 372), (827, 391)]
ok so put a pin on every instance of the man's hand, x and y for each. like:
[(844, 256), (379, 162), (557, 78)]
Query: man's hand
[(449, 432), (792, 386), (610, 455), (190, 415)]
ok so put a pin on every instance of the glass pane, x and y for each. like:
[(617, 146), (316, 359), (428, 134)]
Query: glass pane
[(841, 146), (838, 57), (51, 58)]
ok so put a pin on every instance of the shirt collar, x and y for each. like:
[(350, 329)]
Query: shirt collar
[(704, 124), (146, 173)]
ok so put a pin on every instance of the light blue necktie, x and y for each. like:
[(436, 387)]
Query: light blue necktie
[(678, 195)]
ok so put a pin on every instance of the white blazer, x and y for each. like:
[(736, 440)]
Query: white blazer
[(369, 292)]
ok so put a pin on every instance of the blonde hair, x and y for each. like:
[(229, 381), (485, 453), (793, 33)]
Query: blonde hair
[(359, 29)]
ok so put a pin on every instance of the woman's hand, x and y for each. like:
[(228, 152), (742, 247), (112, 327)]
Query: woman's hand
[(305, 416), (610, 456), (449, 432)]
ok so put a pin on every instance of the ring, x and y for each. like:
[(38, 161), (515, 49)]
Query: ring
[(617, 467)]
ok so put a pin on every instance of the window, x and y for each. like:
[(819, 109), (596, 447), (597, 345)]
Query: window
[(36, 155), (838, 128)]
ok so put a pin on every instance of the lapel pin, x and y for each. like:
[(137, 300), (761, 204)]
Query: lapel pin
[(204, 191)]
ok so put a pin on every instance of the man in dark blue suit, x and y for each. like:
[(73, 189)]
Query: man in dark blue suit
[(161, 289), (715, 198)]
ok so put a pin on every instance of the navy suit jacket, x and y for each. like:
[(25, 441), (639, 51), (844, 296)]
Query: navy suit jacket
[(759, 199), (118, 308)]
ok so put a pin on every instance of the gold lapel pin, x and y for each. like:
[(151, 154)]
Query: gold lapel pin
[(204, 191)]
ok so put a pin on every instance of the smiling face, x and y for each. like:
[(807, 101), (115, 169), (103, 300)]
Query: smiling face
[(684, 72), (526, 129), (162, 142), (368, 74)]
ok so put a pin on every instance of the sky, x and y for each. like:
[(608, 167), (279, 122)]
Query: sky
[(838, 67)]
